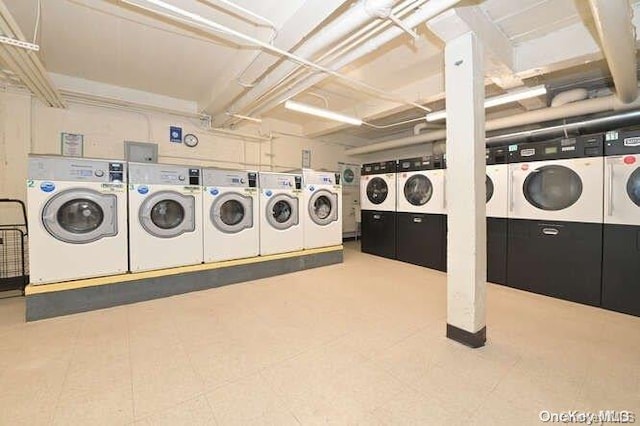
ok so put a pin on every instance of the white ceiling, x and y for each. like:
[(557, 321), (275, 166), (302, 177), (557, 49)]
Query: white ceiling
[(108, 42)]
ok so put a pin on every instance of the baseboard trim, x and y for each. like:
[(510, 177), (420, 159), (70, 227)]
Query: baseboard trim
[(472, 340)]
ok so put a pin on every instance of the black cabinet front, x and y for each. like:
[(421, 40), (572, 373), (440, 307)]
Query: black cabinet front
[(621, 269), (379, 233), (497, 250), (422, 239), (558, 259)]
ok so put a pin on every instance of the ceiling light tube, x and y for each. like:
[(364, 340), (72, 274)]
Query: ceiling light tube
[(507, 98), (321, 112), (515, 96)]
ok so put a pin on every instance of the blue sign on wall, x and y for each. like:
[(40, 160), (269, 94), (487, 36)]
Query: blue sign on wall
[(175, 134)]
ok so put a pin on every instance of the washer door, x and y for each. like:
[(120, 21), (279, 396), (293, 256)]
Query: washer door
[(80, 216), (633, 187), (552, 188), (323, 207), (489, 184), (418, 190), (232, 212), (282, 211), (377, 190), (167, 214)]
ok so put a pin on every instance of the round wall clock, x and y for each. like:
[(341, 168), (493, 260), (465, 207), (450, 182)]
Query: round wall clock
[(190, 140)]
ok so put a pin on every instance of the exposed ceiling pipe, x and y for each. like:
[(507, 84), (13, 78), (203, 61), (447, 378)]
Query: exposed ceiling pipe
[(356, 38), (568, 96), (611, 121), (617, 35), (426, 12), (343, 25), (198, 21), (25, 63), (576, 109)]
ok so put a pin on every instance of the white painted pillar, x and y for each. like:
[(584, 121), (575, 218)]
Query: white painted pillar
[(466, 193)]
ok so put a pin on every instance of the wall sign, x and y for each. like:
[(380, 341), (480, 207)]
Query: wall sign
[(175, 134), (71, 145), (350, 174), (306, 158)]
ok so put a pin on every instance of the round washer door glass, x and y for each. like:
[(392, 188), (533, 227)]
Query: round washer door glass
[(377, 190), (633, 187), (231, 212), (167, 214), (490, 189), (322, 207), (80, 216), (552, 188), (281, 211), (418, 190)]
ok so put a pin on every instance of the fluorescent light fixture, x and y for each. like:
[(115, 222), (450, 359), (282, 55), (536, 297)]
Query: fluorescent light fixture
[(507, 98), (515, 96), (321, 112)]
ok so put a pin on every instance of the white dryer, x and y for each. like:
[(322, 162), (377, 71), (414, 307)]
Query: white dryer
[(77, 216), (280, 221), (230, 214), (421, 216), (497, 183), (165, 216), (555, 218), (378, 209), (323, 209), (621, 247)]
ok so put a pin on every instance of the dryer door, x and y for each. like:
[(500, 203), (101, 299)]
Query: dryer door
[(232, 212), (490, 188), (377, 190), (167, 214), (282, 211), (323, 207), (80, 216), (633, 187), (552, 187), (418, 190)]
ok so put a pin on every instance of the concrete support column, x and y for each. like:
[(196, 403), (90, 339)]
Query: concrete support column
[(466, 192)]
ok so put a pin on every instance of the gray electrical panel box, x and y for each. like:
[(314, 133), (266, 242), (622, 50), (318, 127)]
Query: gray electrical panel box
[(141, 152)]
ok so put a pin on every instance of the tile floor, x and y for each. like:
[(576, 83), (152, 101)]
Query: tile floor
[(357, 343)]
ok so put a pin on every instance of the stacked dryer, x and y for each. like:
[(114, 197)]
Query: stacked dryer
[(555, 218), (230, 214), (421, 216), (165, 216), (378, 209), (621, 252), (497, 183)]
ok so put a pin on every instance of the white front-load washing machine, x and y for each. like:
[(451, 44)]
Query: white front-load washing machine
[(322, 209), (378, 209), (230, 214), (77, 216), (280, 221), (555, 218), (165, 216)]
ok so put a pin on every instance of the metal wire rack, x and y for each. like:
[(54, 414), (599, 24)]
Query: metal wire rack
[(14, 269)]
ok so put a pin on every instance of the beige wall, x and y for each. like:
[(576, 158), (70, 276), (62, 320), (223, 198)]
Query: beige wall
[(29, 126)]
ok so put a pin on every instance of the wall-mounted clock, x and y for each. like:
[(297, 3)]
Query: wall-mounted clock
[(190, 140)]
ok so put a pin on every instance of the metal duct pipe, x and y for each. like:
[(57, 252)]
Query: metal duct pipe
[(363, 12), (576, 109), (611, 121), (426, 12), (568, 96), (617, 36)]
